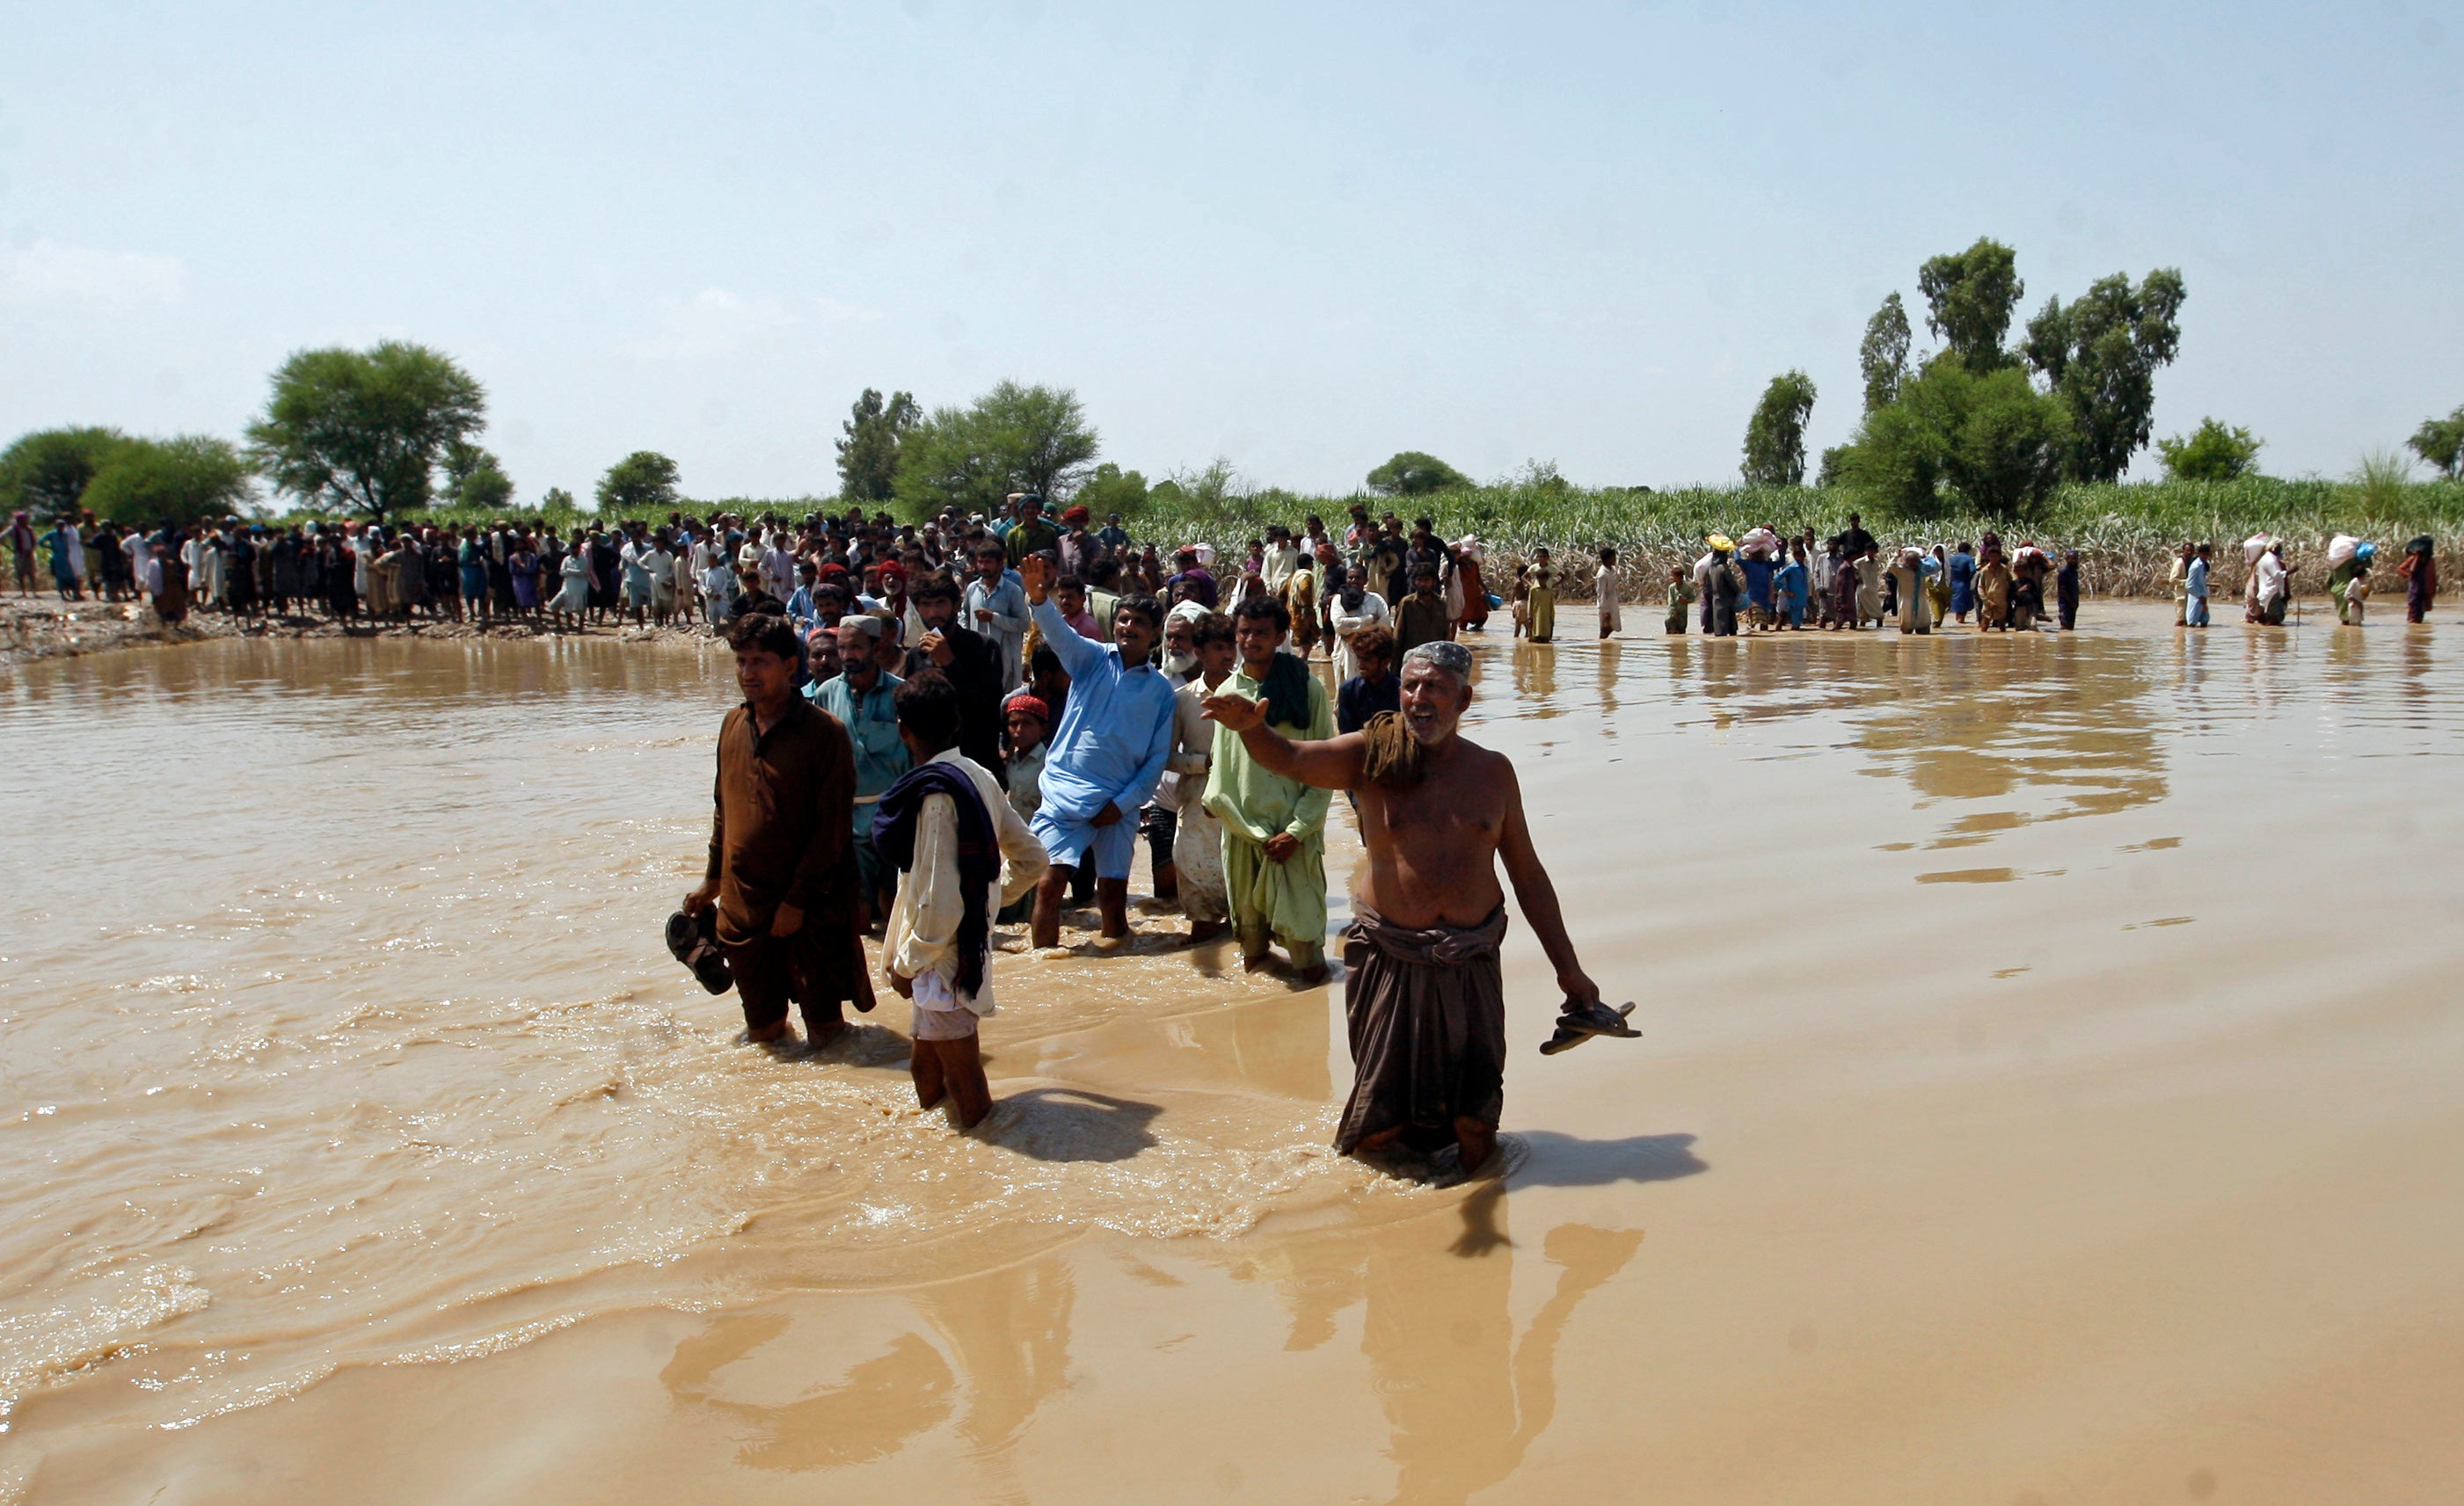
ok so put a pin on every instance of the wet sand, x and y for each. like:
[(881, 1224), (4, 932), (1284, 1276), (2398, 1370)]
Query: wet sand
[(2047, 1095)]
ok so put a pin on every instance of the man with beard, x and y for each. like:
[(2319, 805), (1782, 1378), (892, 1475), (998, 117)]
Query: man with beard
[(969, 661), (1422, 993)]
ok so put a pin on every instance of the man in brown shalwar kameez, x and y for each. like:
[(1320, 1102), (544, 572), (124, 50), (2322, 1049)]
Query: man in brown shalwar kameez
[(1422, 993), (782, 864)]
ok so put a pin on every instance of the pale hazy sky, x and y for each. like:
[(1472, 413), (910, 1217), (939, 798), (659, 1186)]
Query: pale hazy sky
[(1298, 236)]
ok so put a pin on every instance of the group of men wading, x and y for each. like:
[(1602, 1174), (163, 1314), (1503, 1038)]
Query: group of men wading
[(1422, 991)]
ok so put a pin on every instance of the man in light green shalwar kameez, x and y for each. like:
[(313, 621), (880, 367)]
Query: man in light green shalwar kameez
[(1274, 828)]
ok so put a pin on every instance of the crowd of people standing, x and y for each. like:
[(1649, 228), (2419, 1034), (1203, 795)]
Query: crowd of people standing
[(977, 720)]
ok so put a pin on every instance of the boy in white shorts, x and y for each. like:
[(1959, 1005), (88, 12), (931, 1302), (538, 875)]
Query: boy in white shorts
[(962, 851)]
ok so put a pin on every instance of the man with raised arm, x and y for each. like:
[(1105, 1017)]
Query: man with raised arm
[(1421, 990), (1114, 736)]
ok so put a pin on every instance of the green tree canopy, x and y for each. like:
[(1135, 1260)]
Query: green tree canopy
[(363, 431), (1971, 297), (1414, 473), (644, 481), (185, 480), (2211, 452), (1015, 438), (475, 479), (47, 473), (555, 499), (2100, 356), (1776, 435), (1882, 360), (1111, 490), (869, 453), (2440, 443), (1993, 439)]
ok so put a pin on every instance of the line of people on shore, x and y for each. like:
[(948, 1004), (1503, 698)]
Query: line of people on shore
[(1851, 581)]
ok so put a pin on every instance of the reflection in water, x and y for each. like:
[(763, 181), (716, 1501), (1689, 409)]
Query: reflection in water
[(1464, 1396), (2077, 719), (1535, 679), (1007, 1329), (1010, 1330), (884, 1402)]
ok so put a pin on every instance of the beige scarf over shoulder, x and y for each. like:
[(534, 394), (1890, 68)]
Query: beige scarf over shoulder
[(1393, 760)]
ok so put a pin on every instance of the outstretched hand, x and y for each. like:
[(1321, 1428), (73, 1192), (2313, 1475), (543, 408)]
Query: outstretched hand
[(1036, 572), (1234, 713)]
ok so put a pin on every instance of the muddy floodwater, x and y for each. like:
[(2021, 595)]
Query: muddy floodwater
[(2051, 1091)]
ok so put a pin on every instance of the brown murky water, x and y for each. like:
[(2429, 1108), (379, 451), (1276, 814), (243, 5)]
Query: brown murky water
[(2049, 1095)]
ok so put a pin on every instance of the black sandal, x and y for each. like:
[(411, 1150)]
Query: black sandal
[(1579, 1023), (693, 940)]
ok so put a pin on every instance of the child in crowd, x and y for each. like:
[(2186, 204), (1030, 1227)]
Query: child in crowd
[(1540, 596), (1375, 688), (960, 851), (1679, 596)]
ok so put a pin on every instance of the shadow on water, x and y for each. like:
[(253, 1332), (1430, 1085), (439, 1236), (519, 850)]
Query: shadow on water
[(1058, 1123), (1556, 1160)]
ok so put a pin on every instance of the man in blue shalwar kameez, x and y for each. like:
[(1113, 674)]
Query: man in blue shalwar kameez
[(1106, 755)]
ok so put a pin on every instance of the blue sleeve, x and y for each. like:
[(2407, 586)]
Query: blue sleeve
[(1142, 785), (1077, 653)]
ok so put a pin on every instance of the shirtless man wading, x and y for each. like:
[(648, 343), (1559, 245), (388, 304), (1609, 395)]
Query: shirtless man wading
[(1425, 1005)]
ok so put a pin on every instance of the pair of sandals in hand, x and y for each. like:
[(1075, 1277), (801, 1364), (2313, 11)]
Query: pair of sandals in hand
[(1577, 1023)]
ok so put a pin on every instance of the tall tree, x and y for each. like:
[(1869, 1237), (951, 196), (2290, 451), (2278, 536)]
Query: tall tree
[(555, 499), (1776, 435), (1413, 474), (2100, 354), (47, 473), (1883, 358), (2440, 443), (1972, 295), (1015, 438), (869, 453), (188, 479), (363, 431), (475, 478), (644, 481)]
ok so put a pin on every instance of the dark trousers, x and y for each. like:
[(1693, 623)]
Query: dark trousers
[(1158, 824), (771, 969)]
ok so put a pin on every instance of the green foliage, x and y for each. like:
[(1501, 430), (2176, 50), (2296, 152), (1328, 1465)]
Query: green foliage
[(1776, 435), (1991, 439), (363, 431), (642, 481), (868, 452), (1414, 473), (184, 480), (475, 478), (557, 500), (2101, 355), (2380, 484), (1971, 297), (1015, 438), (1111, 490), (2440, 443), (1883, 357), (2211, 452), (47, 473)]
